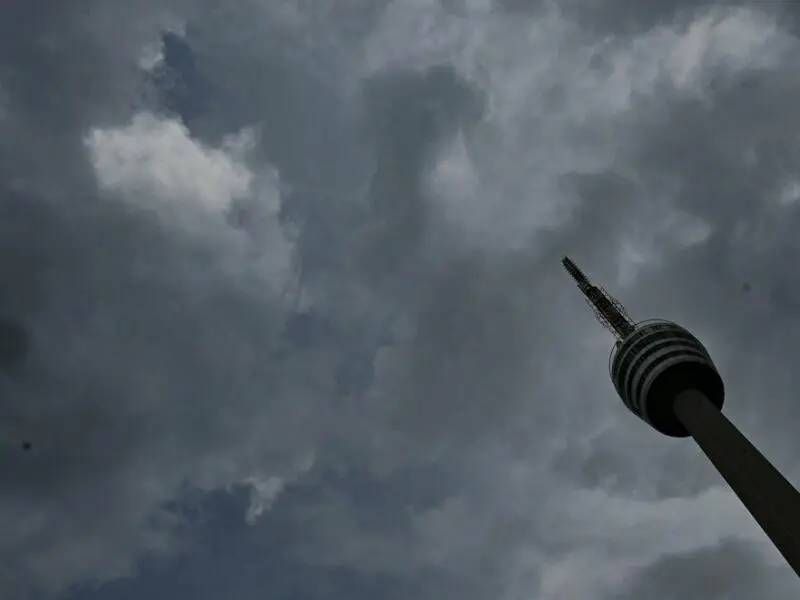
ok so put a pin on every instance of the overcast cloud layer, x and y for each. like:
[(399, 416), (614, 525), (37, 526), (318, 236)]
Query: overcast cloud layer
[(326, 258)]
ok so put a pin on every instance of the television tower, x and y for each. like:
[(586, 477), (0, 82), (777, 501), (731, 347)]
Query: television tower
[(666, 377)]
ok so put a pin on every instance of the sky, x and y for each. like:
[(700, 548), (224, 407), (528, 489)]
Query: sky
[(284, 317)]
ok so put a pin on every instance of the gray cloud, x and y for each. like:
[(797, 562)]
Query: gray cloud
[(405, 175), (707, 572)]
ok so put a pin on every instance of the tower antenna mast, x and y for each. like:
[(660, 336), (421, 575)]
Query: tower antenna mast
[(607, 309)]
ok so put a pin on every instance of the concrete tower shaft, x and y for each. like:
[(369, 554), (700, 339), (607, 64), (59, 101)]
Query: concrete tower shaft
[(656, 363), (768, 496)]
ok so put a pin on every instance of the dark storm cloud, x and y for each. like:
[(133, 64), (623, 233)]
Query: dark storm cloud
[(487, 317), (433, 163), (626, 17), (739, 179), (132, 361), (707, 573)]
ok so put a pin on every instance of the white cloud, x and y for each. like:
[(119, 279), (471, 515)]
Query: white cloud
[(265, 489), (155, 166), (790, 193), (263, 493), (153, 161), (734, 38)]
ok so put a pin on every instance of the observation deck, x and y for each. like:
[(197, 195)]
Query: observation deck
[(657, 362)]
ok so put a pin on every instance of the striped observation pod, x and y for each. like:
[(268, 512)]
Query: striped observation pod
[(654, 364)]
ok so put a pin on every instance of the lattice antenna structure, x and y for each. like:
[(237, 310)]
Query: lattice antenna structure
[(607, 309)]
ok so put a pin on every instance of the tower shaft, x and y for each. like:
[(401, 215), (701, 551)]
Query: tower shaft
[(767, 495)]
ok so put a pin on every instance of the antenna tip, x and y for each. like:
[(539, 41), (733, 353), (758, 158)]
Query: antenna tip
[(573, 269)]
